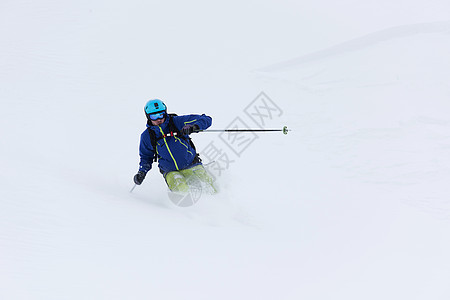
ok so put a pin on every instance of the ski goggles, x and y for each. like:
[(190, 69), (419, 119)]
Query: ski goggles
[(157, 116)]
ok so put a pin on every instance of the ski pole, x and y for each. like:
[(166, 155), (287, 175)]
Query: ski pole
[(132, 189), (285, 130)]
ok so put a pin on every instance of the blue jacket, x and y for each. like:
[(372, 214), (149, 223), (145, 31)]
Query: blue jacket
[(175, 153)]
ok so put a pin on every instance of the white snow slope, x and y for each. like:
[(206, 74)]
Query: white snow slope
[(352, 204)]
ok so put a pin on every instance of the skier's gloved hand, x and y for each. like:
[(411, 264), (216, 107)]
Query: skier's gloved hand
[(139, 177), (189, 128)]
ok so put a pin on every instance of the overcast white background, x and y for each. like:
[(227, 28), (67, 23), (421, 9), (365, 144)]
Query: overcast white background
[(352, 204)]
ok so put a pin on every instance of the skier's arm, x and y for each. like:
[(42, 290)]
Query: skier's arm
[(146, 153), (202, 121)]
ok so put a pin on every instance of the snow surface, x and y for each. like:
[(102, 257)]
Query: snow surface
[(352, 204)]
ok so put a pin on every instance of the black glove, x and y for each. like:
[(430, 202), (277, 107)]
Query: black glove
[(189, 128), (139, 177)]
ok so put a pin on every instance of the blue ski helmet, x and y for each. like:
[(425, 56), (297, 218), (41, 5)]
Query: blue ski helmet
[(154, 106)]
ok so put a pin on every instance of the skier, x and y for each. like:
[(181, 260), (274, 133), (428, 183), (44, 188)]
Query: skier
[(167, 140)]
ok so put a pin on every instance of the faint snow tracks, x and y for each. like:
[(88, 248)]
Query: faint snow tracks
[(375, 111), (409, 54), (363, 42)]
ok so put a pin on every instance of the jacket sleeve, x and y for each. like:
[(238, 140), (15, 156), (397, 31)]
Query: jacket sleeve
[(145, 152), (203, 121)]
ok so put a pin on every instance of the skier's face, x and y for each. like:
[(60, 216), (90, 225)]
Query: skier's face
[(158, 121)]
